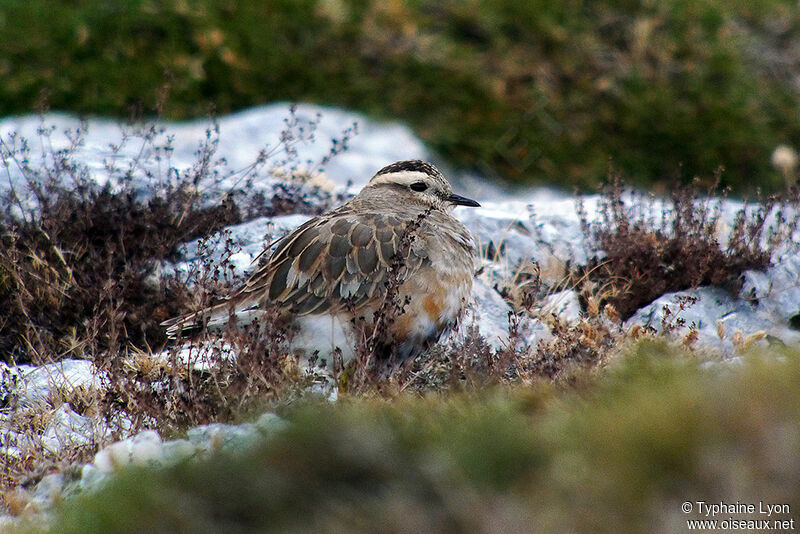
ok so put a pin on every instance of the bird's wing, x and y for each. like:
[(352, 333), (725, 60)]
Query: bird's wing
[(337, 261)]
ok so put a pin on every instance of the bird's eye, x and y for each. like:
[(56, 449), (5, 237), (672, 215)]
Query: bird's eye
[(419, 186)]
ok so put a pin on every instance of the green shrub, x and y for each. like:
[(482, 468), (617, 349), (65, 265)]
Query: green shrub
[(527, 91)]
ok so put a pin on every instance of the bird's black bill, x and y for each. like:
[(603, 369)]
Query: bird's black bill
[(458, 200)]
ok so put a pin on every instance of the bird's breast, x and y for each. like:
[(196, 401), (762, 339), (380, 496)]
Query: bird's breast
[(432, 300)]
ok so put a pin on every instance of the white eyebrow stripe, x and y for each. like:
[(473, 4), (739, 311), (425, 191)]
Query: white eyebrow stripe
[(401, 177)]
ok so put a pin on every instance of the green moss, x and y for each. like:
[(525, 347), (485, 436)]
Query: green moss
[(655, 429)]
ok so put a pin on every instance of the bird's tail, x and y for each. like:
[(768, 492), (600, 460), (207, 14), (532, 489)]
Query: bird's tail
[(213, 318)]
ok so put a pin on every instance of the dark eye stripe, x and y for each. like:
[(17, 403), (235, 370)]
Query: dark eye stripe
[(418, 187)]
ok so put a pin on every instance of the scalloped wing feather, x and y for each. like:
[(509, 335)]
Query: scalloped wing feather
[(335, 262)]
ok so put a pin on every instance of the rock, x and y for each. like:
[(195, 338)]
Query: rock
[(536, 331), (39, 384), (248, 237), (48, 490), (242, 138), (777, 290), (67, 429), (219, 437), (204, 356), (269, 424), (11, 381), (565, 305), (177, 450), (488, 312), (323, 384), (714, 312), (145, 448), (11, 441)]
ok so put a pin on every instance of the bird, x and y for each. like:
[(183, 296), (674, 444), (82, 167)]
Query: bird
[(394, 249)]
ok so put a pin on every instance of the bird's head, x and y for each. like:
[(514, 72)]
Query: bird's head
[(417, 181)]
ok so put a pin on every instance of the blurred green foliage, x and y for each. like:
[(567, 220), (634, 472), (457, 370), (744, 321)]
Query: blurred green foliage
[(527, 90), (620, 453)]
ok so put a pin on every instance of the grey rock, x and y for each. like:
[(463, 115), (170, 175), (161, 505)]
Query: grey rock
[(269, 424), (242, 138), (178, 450), (38, 384), (145, 448), (67, 429), (712, 305), (248, 237), (92, 478), (488, 312), (565, 305), (219, 437), (776, 290), (48, 489)]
